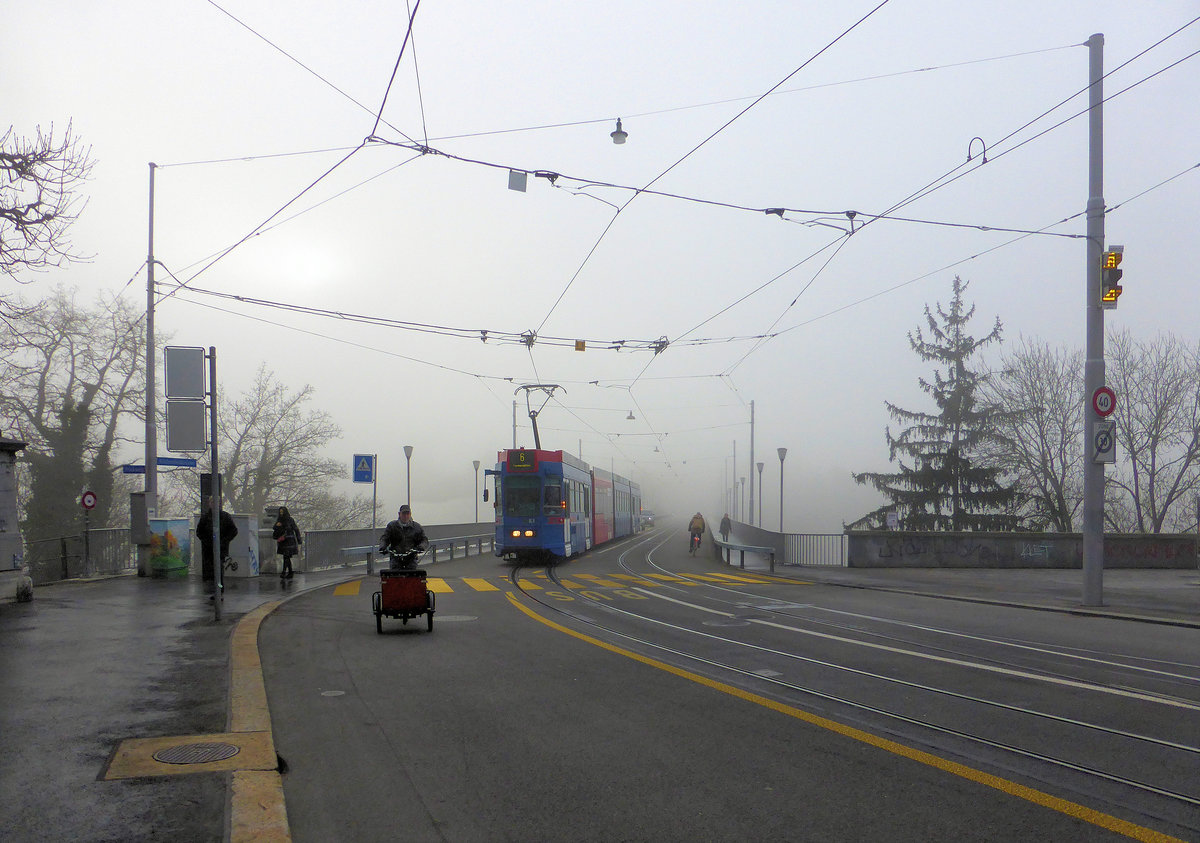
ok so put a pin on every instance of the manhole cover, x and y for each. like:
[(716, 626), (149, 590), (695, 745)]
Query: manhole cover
[(455, 618), (196, 753)]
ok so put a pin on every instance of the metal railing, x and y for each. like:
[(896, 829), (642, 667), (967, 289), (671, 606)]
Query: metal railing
[(727, 548), (96, 553), (814, 549), (325, 549)]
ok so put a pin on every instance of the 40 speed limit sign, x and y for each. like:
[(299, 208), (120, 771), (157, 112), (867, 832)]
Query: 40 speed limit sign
[(1104, 401)]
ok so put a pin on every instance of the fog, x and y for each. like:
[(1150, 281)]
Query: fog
[(788, 310)]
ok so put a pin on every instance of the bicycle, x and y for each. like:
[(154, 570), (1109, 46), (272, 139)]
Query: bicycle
[(693, 543)]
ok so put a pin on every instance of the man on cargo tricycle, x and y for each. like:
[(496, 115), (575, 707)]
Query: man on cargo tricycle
[(404, 540)]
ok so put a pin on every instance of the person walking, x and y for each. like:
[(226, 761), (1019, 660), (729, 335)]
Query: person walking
[(403, 538), (287, 540), (204, 532), (726, 526)]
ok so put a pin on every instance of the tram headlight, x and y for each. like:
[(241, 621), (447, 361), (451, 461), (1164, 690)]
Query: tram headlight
[(529, 534)]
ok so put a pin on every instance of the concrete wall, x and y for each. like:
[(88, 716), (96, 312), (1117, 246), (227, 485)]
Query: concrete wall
[(887, 549)]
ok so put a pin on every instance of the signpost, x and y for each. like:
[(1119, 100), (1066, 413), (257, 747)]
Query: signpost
[(88, 502), (364, 472)]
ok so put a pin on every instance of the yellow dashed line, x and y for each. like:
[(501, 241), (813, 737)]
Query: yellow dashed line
[(676, 580), (528, 585), (1054, 803), (438, 585), (743, 578), (479, 584), (348, 589)]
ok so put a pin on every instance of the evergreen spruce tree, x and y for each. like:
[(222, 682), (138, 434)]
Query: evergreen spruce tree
[(942, 482)]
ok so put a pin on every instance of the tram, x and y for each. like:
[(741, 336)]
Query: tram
[(551, 505)]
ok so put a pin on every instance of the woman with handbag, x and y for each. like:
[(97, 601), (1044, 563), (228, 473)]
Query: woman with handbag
[(287, 540)]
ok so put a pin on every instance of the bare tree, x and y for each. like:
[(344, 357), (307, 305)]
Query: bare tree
[(1038, 436), (270, 454), (71, 376), (1158, 427), (39, 178)]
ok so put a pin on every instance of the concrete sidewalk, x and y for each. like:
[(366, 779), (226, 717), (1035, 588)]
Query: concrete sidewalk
[(89, 664), (1147, 595)]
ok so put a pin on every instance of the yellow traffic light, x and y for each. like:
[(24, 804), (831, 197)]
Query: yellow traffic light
[(1111, 294), (1112, 259)]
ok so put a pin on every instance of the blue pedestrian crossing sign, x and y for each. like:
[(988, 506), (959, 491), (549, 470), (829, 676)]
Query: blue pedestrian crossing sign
[(364, 468)]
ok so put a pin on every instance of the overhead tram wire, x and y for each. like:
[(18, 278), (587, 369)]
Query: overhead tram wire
[(943, 180), (937, 184), (297, 61), (407, 36), (687, 155), (417, 75), (588, 122), (257, 228)]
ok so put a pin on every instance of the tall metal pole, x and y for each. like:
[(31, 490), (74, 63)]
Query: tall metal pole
[(476, 464), (151, 488), (733, 479), (751, 472), (782, 454), (760, 468), (215, 509), (1093, 370), (374, 508)]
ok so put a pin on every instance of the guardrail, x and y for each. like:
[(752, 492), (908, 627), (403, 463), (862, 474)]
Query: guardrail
[(444, 543), (727, 547)]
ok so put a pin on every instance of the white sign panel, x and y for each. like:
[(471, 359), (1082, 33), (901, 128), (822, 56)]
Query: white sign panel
[(1104, 441), (185, 425), (185, 372)]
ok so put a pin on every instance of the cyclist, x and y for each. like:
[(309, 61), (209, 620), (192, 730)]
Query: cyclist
[(696, 530), (403, 539)]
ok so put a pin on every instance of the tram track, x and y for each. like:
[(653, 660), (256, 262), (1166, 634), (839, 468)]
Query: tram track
[(969, 738)]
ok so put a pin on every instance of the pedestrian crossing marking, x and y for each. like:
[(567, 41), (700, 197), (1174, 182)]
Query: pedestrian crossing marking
[(598, 580), (579, 582), (479, 584), (743, 578), (669, 578), (638, 580)]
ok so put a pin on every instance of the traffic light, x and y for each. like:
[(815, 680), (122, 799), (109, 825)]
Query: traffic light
[(1110, 276)]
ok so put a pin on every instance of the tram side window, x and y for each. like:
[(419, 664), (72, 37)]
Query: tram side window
[(553, 500), (521, 496)]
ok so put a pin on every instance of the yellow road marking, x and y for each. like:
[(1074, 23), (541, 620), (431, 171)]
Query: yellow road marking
[(569, 584), (670, 578), (638, 580), (529, 585), (598, 580), (743, 578), (479, 584), (438, 585), (348, 589), (1046, 800)]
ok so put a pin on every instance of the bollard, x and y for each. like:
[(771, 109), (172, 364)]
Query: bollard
[(743, 553)]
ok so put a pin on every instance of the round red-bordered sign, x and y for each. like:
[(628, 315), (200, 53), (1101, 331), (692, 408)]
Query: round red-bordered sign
[(1104, 401), (88, 501)]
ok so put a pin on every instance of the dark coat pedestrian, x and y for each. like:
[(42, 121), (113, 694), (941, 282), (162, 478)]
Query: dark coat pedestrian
[(287, 540), (204, 534), (726, 526)]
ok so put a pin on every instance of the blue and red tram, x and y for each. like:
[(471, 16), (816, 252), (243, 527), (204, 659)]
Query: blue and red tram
[(551, 505)]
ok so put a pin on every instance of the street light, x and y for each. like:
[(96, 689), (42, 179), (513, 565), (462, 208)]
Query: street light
[(408, 449), (476, 464), (742, 500), (760, 468), (782, 454)]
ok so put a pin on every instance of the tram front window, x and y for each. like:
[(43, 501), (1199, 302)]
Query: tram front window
[(555, 505), (521, 496)]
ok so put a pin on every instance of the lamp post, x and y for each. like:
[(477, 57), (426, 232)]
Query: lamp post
[(742, 499), (760, 468), (408, 449), (476, 464), (782, 454)]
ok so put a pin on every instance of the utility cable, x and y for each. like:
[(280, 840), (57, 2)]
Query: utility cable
[(417, 76)]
